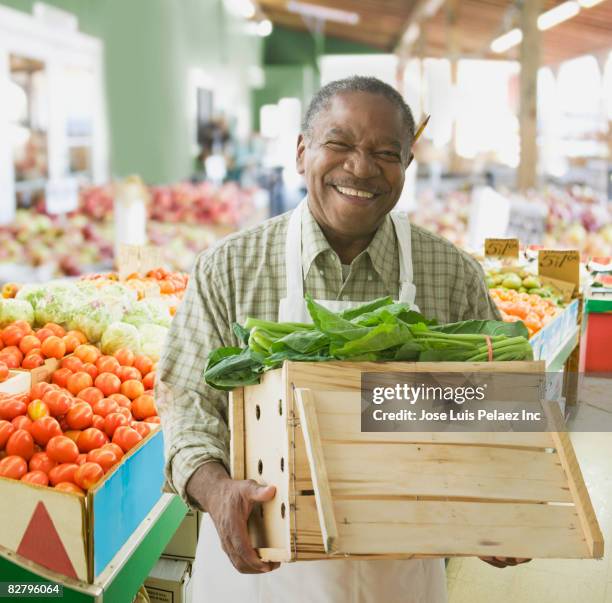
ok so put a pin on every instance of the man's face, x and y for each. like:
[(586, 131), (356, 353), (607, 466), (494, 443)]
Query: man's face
[(354, 162)]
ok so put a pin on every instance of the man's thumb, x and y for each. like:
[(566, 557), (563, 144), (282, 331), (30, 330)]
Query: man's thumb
[(262, 493)]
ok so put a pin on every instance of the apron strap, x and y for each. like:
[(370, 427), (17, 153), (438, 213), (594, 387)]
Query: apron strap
[(293, 252)]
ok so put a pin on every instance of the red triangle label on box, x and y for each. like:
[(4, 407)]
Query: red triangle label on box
[(42, 544)]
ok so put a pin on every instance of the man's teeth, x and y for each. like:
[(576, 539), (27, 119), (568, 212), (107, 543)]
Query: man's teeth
[(354, 192)]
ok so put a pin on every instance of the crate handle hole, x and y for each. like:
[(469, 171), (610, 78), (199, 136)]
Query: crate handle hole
[(257, 412), (283, 510), (280, 408), (282, 463), (260, 467)]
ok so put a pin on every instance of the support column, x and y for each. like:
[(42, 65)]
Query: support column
[(453, 51), (528, 123)]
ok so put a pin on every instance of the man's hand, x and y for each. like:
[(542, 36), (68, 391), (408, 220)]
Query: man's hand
[(504, 561), (229, 503)]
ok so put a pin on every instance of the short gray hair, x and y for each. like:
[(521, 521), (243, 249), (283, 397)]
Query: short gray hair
[(356, 83)]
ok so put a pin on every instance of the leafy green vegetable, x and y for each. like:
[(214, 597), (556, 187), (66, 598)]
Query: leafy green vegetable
[(376, 331)]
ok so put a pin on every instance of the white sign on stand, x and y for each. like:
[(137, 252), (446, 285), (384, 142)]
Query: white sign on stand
[(7, 203), (489, 216), (61, 195)]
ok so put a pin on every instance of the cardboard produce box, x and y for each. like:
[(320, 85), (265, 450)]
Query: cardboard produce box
[(77, 536), (341, 492), (185, 541), (169, 582)]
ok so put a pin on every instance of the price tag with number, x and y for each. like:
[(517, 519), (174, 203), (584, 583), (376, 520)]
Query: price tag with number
[(563, 265), (502, 248)]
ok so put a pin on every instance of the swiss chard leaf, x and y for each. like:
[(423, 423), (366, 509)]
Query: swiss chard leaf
[(241, 333), (485, 327), (332, 324), (366, 308)]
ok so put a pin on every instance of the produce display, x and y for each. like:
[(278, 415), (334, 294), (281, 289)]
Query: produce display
[(164, 281), (69, 433), (105, 311), (380, 330)]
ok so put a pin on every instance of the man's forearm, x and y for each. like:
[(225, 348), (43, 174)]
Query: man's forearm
[(205, 482)]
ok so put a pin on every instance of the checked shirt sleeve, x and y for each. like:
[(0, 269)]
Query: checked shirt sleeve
[(193, 415)]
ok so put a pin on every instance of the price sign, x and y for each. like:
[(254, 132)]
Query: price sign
[(502, 248), (560, 265)]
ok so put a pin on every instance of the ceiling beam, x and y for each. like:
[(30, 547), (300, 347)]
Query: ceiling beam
[(410, 32)]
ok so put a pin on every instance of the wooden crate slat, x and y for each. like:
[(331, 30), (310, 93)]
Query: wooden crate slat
[(584, 507), (236, 426), (496, 529), (340, 414)]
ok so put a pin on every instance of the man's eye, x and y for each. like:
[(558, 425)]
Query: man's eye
[(389, 155), (337, 145)]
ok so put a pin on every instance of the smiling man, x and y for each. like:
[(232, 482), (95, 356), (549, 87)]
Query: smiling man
[(343, 245)]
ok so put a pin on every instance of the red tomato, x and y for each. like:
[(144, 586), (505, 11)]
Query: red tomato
[(79, 416), (44, 429), (98, 422), (126, 412), (79, 335), (23, 326), (58, 330), (148, 380), (156, 420), (108, 383), (6, 429), (40, 461), (12, 335), (90, 439), (43, 333), (62, 449), (4, 372), (40, 389), (20, 443), (73, 363), (143, 407), (11, 361), (36, 477), (88, 474), (58, 401), (53, 347), (71, 343), (82, 458), (107, 364), (32, 361), (126, 438), (105, 406), (87, 353), (115, 449), (78, 382), (132, 389), (124, 356), (69, 487), (13, 350), (122, 400), (62, 473), (11, 408), (13, 467), (143, 363), (37, 409), (90, 369), (29, 343), (128, 372), (91, 395), (105, 458), (60, 377), (22, 422), (114, 420), (142, 428)]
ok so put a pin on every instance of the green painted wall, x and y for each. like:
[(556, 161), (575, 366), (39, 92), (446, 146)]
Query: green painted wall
[(151, 48), (291, 65)]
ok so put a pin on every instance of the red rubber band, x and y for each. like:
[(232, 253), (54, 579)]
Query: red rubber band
[(489, 347)]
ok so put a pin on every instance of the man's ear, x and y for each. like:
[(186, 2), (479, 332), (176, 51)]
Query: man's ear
[(299, 157)]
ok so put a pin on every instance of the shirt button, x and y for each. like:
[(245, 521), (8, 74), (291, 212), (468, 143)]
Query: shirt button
[(321, 273), (369, 277)]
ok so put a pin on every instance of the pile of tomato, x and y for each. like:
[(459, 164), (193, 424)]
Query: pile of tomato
[(69, 433)]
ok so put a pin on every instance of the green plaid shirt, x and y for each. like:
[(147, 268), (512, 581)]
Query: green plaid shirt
[(244, 275)]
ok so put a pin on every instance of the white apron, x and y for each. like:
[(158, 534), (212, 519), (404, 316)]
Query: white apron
[(215, 580)]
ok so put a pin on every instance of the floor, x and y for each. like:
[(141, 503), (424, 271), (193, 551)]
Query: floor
[(547, 581)]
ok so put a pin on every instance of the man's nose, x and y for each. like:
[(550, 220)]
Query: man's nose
[(361, 165)]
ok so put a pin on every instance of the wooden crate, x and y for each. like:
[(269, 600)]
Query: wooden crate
[(341, 492)]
